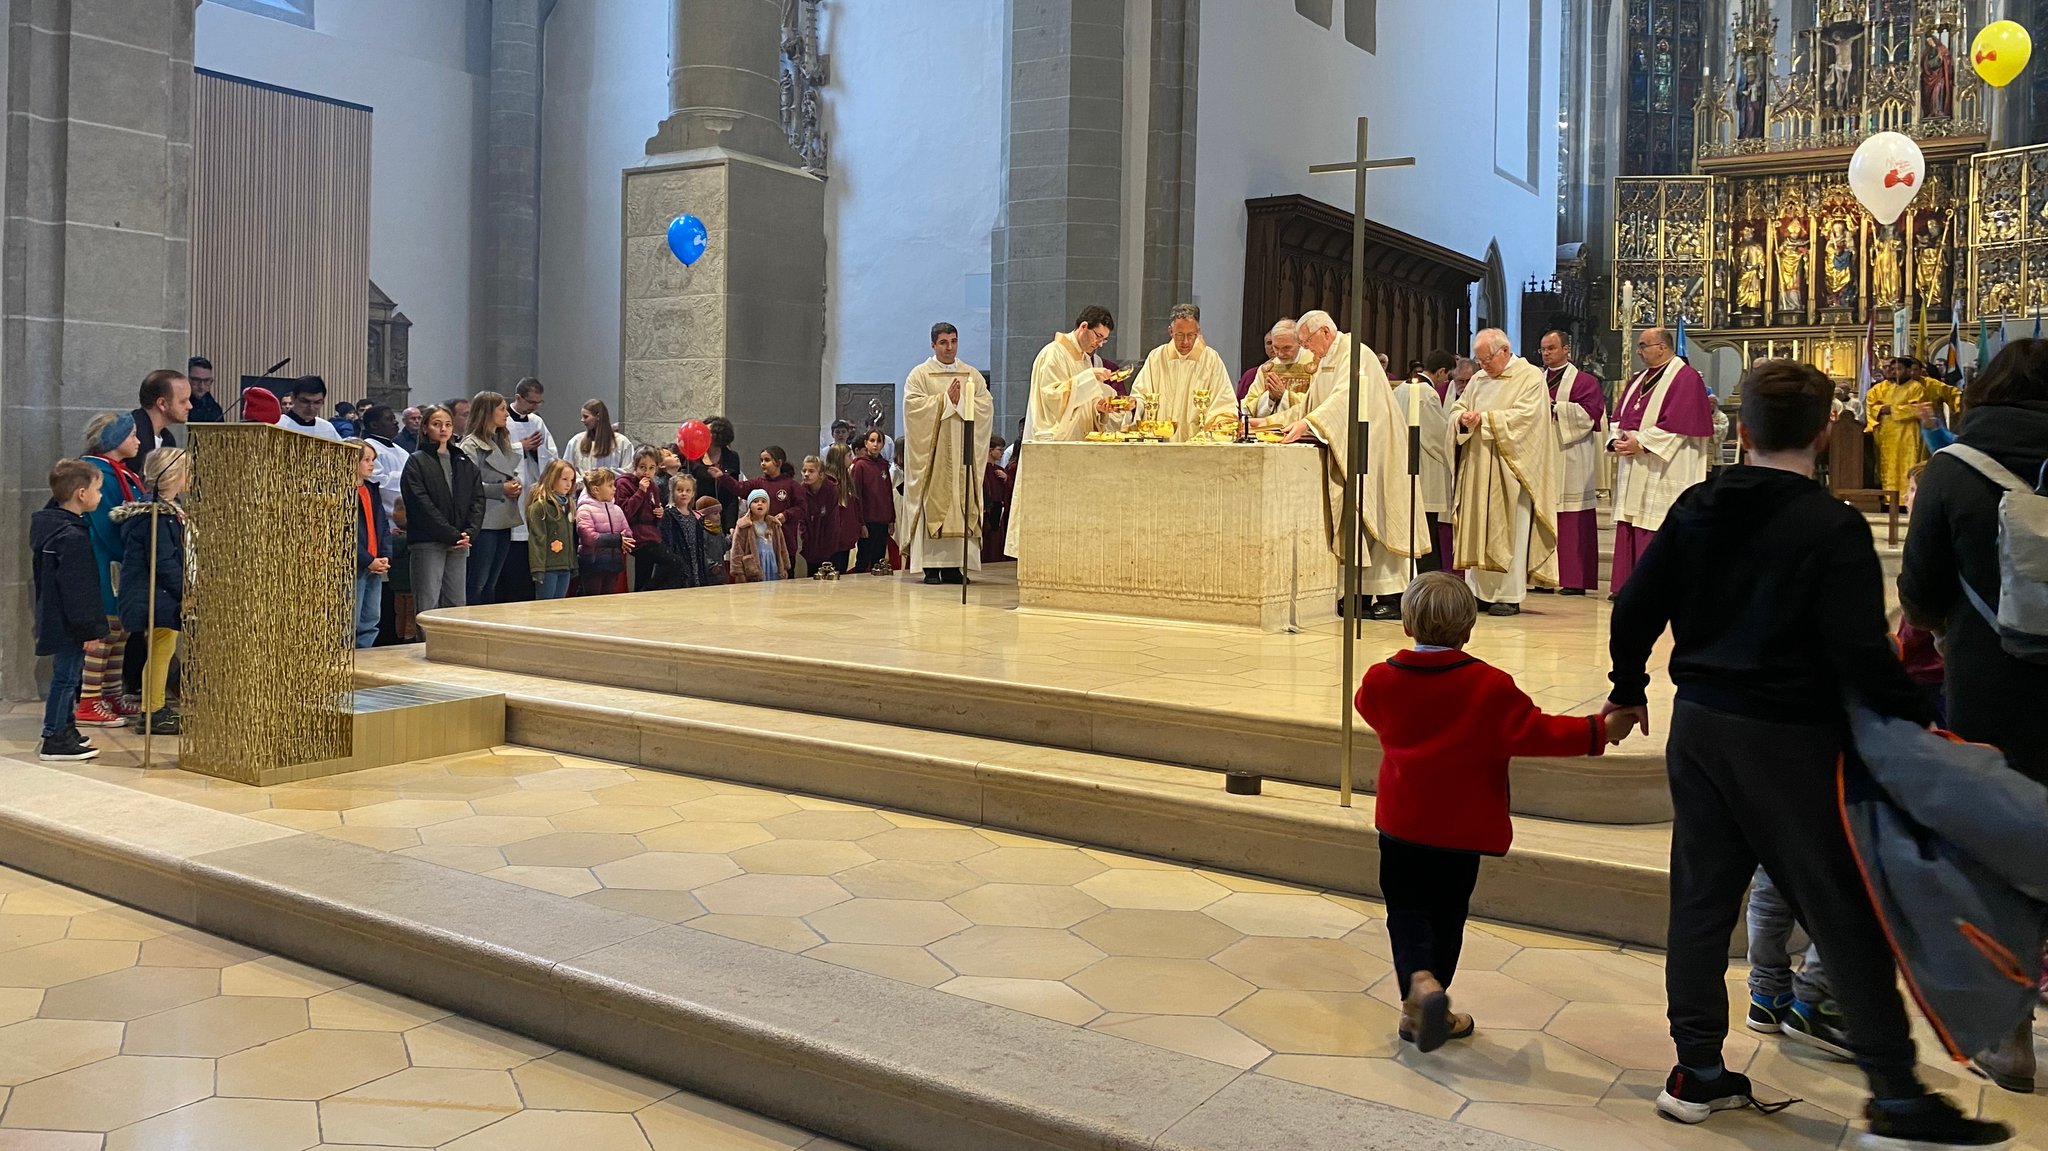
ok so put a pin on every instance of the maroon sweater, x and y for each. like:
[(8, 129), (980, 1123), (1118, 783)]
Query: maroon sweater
[(828, 528), (1448, 724), (873, 494), (638, 501)]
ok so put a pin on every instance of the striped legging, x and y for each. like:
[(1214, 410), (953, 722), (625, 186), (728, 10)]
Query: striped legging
[(103, 658)]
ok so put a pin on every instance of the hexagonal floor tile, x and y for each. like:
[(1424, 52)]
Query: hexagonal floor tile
[(903, 964), (1302, 964), (1380, 1080), (704, 837), (18, 931), (1060, 866), (420, 1107), (62, 961), (651, 792), (1160, 986), (571, 849), (1048, 998), (1015, 953), (1299, 916), (109, 1094), (949, 845), (1199, 1036), (278, 976), (487, 830), (212, 1028), (1025, 905), (130, 993), (312, 1064), (1518, 1067), (842, 825), (243, 1124), (565, 1081), (905, 922), (617, 820), (459, 1042), (407, 813), (781, 932), (1158, 934), (735, 808), (908, 879), (802, 856), (1153, 890), (779, 895), (1492, 998), (1589, 976), (666, 871), (366, 1008), (34, 1048), (1318, 1023)]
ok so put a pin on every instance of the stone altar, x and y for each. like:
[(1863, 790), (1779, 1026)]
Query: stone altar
[(1201, 533)]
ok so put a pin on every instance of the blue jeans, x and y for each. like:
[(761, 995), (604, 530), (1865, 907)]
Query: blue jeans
[(67, 667), (552, 585), (369, 608), (1770, 938), (487, 552)]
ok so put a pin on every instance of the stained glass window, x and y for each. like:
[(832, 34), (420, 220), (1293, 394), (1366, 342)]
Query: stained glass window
[(1664, 39)]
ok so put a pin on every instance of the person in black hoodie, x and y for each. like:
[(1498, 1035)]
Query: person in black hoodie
[(1775, 599), (153, 533), (444, 504), (1953, 543), (68, 610)]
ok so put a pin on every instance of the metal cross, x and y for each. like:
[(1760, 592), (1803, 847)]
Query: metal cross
[(1355, 461)]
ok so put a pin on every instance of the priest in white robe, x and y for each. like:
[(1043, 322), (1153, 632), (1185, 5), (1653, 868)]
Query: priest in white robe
[(1177, 371), (1506, 533), (1417, 403), (1267, 400), (941, 523), (1664, 431), (1390, 519), (1070, 397)]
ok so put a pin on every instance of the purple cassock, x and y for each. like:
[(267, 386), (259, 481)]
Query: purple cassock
[(1688, 411), (1578, 528), (1244, 382)]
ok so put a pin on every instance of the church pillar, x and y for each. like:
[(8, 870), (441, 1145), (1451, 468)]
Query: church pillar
[(1057, 243), (742, 332), (510, 193), (94, 281)]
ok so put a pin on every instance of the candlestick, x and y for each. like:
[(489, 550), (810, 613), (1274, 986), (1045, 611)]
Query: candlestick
[(1414, 404)]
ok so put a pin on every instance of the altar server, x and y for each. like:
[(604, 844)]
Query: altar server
[(942, 486), (1389, 517), (1664, 433), (1180, 368), (1578, 409), (1506, 534), (1436, 478)]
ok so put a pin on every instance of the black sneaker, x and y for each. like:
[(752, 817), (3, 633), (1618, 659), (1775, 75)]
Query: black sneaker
[(931, 576), (1766, 1015), (1927, 1123), (67, 747), (165, 722), (1504, 609), (1819, 1026), (1690, 1099)]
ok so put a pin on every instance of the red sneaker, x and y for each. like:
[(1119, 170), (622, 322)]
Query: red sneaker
[(127, 706), (96, 713)]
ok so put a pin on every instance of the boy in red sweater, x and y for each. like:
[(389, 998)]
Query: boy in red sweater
[(1443, 788)]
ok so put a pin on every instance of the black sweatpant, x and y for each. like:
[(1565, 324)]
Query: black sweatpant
[(1429, 893), (1434, 561), (873, 549), (1746, 792)]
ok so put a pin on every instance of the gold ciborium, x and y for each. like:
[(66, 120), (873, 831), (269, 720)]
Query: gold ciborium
[(1202, 398)]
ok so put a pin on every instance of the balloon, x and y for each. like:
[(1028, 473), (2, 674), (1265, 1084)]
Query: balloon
[(2000, 51), (1886, 173), (687, 238), (694, 438)]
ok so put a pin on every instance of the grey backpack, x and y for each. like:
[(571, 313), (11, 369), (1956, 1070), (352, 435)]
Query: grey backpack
[(2021, 619)]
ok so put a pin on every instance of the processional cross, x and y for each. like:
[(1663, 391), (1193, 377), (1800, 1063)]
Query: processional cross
[(1355, 461)]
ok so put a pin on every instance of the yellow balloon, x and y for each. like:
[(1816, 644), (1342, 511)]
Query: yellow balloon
[(2000, 52)]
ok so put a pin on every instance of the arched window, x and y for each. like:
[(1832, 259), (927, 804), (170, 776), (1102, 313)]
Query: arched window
[(1493, 291)]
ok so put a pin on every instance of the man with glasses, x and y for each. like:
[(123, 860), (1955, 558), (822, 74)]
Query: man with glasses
[(1664, 433), (1070, 397), (1506, 529), (205, 409)]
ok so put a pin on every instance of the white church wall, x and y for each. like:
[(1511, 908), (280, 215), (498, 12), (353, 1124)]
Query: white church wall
[(605, 91), (1449, 85), (914, 115), (406, 61)]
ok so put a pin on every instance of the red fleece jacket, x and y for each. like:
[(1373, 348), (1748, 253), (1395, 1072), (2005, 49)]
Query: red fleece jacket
[(1448, 723)]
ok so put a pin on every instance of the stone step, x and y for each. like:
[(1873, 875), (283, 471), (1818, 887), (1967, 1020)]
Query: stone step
[(1589, 879), (869, 1060), (1222, 724)]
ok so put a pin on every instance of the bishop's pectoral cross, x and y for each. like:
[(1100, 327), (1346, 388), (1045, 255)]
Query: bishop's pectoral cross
[(1355, 461)]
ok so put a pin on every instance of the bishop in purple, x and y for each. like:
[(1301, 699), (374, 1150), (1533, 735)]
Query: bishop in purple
[(1664, 434)]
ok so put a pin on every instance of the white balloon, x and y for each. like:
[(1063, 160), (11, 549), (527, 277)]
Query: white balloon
[(1886, 173)]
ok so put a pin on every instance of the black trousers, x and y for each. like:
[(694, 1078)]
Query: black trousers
[(1746, 792), (515, 582), (133, 657), (1434, 561), (873, 549), (1428, 893)]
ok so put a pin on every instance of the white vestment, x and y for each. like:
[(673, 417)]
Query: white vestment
[(1174, 379), (1506, 529), (1646, 485), (1581, 438), (1390, 519), (1259, 401), (531, 464), (941, 491), (1064, 392), (1435, 483)]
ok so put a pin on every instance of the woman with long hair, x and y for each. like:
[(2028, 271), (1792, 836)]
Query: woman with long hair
[(497, 461), (598, 445)]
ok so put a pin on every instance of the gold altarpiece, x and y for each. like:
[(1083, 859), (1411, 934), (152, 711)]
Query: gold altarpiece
[(1766, 248)]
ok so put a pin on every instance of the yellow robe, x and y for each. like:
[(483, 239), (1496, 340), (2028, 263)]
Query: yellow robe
[(1900, 447), (1513, 450)]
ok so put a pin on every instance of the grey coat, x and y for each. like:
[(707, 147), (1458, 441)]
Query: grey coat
[(1953, 843), (494, 466)]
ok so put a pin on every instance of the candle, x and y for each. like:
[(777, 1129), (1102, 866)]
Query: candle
[(1414, 404)]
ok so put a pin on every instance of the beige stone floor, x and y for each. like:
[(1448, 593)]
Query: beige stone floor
[(124, 1032), (1284, 981)]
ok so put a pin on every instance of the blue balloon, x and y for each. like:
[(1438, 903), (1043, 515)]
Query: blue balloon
[(687, 238)]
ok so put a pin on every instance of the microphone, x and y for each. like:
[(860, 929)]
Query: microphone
[(272, 369)]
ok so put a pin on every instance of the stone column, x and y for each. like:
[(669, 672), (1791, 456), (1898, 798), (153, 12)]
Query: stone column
[(1170, 167), (1057, 241), (742, 332), (94, 268), (510, 195)]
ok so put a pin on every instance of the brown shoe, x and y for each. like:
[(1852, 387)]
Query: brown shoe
[(1431, 1009), (2010, 1064), (1461, 1027)]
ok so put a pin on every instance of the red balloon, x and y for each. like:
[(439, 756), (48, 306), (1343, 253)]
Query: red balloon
[(694, 438)]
